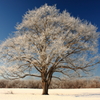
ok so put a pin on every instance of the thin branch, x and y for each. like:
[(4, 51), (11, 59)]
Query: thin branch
[(56, 77)]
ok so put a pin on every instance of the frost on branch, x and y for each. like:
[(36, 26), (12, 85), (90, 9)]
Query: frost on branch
[(49, 41)]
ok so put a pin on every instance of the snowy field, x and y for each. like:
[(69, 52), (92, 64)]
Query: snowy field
[(54, 94)]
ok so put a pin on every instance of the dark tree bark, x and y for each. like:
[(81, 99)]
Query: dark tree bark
[(45, 87), (45, 84), (46, 80)]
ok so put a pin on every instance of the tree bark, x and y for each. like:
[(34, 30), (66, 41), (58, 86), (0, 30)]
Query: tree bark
[(46, 80), (45, 87)]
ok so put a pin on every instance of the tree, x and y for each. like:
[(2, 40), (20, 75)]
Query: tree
[(48, 42)]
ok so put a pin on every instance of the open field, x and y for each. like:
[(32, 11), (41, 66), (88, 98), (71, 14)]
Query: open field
[(59, 94)]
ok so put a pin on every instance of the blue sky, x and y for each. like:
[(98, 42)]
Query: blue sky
[(11, 12)]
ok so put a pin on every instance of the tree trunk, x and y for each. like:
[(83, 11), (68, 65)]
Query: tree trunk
[(46, 80), (45, 87)]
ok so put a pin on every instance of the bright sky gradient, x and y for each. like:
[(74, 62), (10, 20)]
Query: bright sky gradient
[(11, 12)]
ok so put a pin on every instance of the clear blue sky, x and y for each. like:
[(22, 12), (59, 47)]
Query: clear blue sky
[(11, 12)]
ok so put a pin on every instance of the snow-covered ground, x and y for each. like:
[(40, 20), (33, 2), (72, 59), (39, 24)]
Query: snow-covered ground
[(54, 94)]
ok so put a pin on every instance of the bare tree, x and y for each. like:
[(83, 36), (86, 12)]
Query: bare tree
[(47, 42)]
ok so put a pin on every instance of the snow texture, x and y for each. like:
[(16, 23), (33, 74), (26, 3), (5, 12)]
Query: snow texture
[(59, 94)]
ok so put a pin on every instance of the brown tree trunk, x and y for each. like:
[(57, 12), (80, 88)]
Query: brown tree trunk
[(46, 80), (45, 87)]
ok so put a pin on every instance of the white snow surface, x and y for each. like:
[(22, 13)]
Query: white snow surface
[(54, 94)]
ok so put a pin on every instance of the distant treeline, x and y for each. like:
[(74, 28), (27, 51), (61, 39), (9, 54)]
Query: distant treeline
[(64, 83)]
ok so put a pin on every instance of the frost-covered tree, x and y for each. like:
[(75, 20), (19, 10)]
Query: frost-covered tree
[(47, 42)]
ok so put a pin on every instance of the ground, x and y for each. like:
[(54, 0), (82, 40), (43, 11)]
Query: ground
[(59, 94)]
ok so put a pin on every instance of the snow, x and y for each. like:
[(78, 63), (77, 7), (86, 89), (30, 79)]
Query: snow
[(59, 94)]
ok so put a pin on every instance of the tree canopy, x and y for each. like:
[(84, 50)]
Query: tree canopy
[(49, 41)]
